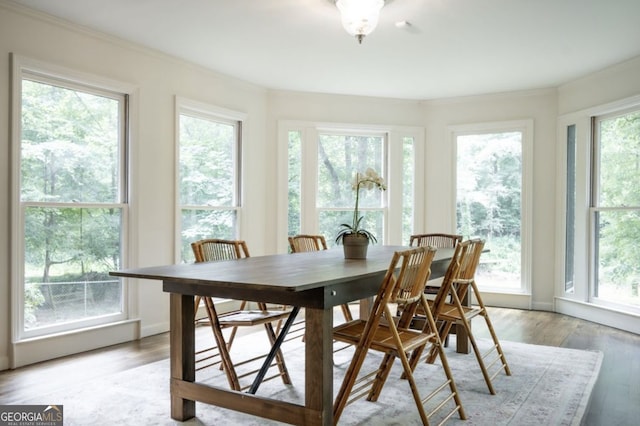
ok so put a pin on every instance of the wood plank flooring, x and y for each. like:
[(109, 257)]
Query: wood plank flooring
[(614, 401)]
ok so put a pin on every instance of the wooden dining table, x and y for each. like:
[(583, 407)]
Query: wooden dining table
[(315, 281)]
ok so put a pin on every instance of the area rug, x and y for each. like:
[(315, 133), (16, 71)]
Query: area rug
[(548, 386)]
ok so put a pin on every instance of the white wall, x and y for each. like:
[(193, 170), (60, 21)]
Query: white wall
[(540, 106), (609, 85), (599, 93), (436, 117), (160, 78)]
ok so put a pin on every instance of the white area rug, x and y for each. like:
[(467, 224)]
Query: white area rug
[(548, 386)]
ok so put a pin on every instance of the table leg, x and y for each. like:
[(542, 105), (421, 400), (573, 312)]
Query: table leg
[(462, 338), (319, 364), (182, 352), (365, 307)]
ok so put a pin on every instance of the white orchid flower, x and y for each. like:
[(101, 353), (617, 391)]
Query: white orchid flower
[(368, 180)]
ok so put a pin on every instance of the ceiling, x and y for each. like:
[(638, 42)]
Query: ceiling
[(449, 48)]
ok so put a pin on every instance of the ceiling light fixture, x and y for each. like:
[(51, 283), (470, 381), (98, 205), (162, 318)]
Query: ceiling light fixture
[(359, 17)]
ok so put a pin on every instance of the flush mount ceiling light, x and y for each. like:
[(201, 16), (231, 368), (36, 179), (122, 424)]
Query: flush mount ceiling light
[(359, 17)]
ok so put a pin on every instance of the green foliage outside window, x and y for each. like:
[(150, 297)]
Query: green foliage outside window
[(69, 188), (489, 191), (339, 158), (617, 219), (207, 180)]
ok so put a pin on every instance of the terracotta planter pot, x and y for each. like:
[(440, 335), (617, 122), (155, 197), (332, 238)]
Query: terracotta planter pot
[(355, 247)]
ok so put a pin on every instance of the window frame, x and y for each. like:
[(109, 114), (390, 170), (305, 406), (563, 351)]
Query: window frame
[(309, 132), (526, 127), (595, 208), (579, 303), (46, 73), (384, 173), (223, 115)]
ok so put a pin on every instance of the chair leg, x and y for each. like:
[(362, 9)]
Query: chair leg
[(196, 304), (439, 350), (280, 323), (227, 364), (279, 357), (503, 359), (443, 332), (342, 398), (449, 375), (414, 359), (494, 336), (409, 365), (414, 388), (383, 373), (346, 312), (234, 330), (466, 324), (478, 355)]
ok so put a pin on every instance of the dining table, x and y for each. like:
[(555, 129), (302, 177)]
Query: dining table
[(316, 281)]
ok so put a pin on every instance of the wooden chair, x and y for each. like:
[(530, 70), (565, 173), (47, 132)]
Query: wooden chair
[(380, 332), (216, 250), (461, 315), (436, 240), (437, 304), (302, 243)]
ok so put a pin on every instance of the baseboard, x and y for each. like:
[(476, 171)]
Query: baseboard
[(540, 306), (152, 330), (599, 314), (4, 363), (506, 300), (31, 351)]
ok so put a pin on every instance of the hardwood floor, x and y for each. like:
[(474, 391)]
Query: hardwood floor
[(615, 399)]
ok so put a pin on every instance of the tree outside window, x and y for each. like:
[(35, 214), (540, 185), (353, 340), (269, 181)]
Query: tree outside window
[(208, 177), (71, 197), (616, 212), (489, 194)]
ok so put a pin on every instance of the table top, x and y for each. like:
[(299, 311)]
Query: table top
[(261, 277)]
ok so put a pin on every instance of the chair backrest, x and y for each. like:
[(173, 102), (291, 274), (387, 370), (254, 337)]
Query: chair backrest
[(460, 257), (301, 243), (213, 249), (469, 266), (435, 240), (406, 287)]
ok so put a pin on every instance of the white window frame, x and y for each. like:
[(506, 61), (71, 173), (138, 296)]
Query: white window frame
[(596, 208), (309, 132), (215, 113), (526, 216), (580, 303), (23, 348)]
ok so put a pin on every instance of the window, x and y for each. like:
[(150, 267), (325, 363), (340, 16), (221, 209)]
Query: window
[(615, 212), (599, 157), (340, 156), (294, 183), (321, 161), (570, 217), (491, 201), (408, 187), (208, 177), (71, 144)]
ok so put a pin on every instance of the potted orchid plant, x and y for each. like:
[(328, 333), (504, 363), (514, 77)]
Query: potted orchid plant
[(352, 233)]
